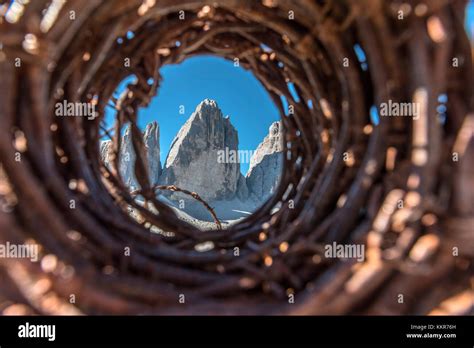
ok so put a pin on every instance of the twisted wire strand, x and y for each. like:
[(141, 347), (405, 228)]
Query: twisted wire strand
[(393, 187)]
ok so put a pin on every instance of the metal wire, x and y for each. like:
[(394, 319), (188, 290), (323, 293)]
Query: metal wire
[(401, 187)]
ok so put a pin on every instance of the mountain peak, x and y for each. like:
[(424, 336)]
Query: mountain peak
[(275, 128), (152, 125), (152, 130), (193, 160), (272, 143), (208, 105), (198, 159), (210, 102)]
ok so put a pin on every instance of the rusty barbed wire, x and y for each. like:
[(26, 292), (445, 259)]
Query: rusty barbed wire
[(401, 188)]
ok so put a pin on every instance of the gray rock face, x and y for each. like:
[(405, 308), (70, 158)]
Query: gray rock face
[(242, 188), (193, 162), (127, 159), (266, 164), (151, 138)]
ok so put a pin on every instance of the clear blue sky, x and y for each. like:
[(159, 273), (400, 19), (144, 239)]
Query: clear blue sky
[(470, 19), (237, 92)]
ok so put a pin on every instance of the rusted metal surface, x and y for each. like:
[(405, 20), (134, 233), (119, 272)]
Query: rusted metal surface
[(402, 188)]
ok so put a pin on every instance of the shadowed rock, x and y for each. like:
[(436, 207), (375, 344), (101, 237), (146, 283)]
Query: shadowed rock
[(266, 165), (151, 139)]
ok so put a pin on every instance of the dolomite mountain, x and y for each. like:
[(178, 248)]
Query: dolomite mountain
[(266, 164), (194, 163)]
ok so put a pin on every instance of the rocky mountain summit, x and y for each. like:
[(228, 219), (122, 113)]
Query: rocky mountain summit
[(192, 161), (195, 162), (266, 164)]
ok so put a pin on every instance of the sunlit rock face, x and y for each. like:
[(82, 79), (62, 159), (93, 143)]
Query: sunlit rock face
[(127, 159), (266, 165), (193, 161)]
